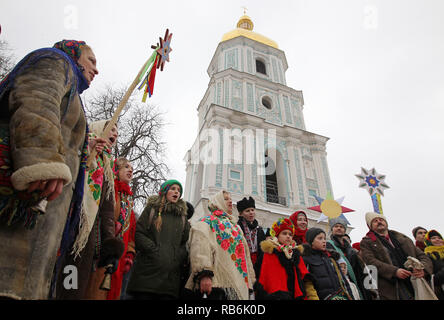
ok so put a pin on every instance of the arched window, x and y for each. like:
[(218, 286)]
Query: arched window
[(267, 102), (260, 67), (274, 180)]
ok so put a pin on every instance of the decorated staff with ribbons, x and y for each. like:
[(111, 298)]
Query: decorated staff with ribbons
[(44, 146)]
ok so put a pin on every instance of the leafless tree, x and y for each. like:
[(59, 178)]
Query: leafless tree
[(6, 59), (140, 139)]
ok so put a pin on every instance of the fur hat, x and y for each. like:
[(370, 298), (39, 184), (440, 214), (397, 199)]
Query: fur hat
[(245, 204), (369, 216), (281, 225), (339, 220), (312, 233), (415, 230)]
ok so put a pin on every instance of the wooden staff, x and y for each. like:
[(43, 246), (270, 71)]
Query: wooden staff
[(119, 109)]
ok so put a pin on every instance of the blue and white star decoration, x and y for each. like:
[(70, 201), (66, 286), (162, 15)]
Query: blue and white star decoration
[(372, 181)]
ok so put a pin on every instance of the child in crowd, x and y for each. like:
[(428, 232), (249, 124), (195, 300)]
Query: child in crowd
[(353, 287), (322, 264), (282, 274)]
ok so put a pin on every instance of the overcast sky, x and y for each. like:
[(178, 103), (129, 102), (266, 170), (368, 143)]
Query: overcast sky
[(371, 73)]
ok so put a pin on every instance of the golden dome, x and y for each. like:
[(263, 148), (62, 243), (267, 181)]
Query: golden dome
[(245, 29)]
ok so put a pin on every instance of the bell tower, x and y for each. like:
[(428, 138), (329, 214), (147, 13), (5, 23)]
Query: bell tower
[(252, 139)]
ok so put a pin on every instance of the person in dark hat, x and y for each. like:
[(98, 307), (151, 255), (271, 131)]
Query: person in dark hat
[(322, 264), (435, 250), (419, 234), (254, 234)]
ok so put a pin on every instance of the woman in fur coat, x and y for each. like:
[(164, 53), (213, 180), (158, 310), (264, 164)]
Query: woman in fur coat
[(161, 236), (282, 274), (43, 127), (327, 276), (219, 254)]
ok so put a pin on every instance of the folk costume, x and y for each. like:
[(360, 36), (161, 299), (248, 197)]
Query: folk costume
[(95, 245), (299, 234), (125, 221), (436, 254), (218, 249), (161, 253), (254, 234), (43, 136), (282, 274)]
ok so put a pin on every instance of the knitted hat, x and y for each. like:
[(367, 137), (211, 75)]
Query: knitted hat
[(339, 220), (294, 217), (167, 185), (415, 230), (369, 216), (245, 204), (312, 233), (281, 225), (429, 235)]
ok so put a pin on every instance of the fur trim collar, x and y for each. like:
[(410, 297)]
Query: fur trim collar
[(179, 208)]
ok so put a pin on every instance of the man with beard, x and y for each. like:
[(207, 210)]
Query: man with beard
[(388, 250)]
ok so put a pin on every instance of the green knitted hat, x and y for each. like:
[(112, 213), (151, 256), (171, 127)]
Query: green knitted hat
[(166, 186)]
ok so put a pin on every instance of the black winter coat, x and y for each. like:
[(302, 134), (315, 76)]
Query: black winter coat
[(438, 274), (323, 272)]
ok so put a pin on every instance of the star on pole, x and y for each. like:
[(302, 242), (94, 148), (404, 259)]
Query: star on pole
[(372, 181)]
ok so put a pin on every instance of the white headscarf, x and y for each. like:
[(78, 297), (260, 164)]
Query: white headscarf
[(217, 201)]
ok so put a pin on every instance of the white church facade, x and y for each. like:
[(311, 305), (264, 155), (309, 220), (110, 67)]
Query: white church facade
[(252, 139)]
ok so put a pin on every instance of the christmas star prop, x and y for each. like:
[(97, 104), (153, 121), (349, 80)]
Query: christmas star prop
[(157, 60), (375, 184), (330, 208)]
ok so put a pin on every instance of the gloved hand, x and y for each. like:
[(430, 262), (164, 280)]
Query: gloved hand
[(128, 262)]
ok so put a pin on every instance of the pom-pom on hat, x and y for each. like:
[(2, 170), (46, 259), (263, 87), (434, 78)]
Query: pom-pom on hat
[(281, 225), (312, 233), (245, 204), (429, 235), (167, 185)]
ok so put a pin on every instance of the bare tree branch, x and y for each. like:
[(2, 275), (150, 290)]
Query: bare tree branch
[(6, 59)]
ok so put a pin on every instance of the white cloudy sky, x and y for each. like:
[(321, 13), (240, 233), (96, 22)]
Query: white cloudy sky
[(371, 72)]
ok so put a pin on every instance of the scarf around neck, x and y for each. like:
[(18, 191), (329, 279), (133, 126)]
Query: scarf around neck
[(250, 232), (229, 237)]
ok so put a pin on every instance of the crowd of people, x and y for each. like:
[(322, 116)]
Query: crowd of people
[(66, 204)]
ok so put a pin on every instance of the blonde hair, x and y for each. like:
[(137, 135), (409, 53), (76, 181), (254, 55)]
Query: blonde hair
[(120, 162), (158, 222)]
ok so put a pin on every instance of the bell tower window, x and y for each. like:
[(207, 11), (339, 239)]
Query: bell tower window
[(260, 67)]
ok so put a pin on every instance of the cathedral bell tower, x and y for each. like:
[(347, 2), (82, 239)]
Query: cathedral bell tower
[(252, 139)]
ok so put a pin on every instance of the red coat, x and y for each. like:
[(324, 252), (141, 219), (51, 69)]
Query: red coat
[(274, 276)]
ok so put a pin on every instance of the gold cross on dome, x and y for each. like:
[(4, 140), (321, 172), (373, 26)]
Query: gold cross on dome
[(245, 10)]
